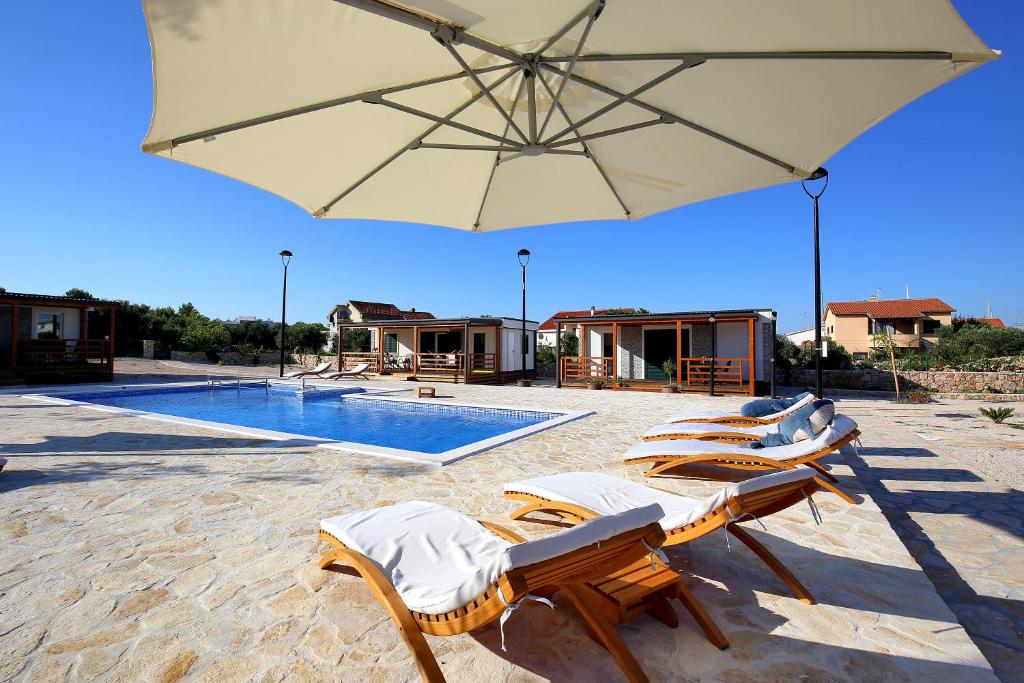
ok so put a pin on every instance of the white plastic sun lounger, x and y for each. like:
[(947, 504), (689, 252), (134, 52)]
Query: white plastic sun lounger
[(578, 496), (357, 371), (318, 370), (669, 454), (728, 418), (437, 571)]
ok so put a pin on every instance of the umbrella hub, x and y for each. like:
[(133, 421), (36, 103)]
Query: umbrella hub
[(534, 150)]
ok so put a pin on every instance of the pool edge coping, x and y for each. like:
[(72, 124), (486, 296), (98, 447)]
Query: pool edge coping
[(438, 459)]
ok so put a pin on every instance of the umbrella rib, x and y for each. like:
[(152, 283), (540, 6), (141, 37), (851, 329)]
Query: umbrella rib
[(825, 54), (619, 99), (455, 112), (433, 27), (680, 120), (441, 120), (310, 108), (479, 84), (586, 148), (497, 159), (569, 70), (593, 10), (610, 131)]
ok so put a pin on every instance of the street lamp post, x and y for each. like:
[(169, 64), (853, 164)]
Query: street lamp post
[(524, 258), (820, 174), (286, 257)]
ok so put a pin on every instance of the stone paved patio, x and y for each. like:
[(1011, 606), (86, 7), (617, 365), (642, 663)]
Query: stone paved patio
[(141, 550)]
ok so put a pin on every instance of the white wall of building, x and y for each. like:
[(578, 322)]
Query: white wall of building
[(70, 321)]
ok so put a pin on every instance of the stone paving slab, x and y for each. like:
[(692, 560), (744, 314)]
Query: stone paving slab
[(140, 550), (938, 488)]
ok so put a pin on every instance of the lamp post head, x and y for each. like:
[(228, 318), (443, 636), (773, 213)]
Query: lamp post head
[(524, 257), (286, 257), (818, 174)]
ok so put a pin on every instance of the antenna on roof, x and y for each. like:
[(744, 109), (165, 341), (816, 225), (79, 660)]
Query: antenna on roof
[(908, 290), (988, 309)]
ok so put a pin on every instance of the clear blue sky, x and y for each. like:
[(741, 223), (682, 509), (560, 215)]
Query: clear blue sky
[(933, 197)]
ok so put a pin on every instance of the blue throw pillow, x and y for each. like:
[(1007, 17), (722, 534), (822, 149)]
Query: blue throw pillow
[(806, 423), (767, 406)]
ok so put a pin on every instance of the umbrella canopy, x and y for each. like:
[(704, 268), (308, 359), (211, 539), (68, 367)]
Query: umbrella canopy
[(489, 114)]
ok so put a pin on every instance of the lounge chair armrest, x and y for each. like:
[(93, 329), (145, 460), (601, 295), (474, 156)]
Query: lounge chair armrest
[(507, 534)]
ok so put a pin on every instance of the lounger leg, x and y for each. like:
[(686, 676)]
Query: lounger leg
[(701, 616), (385, 593), (606, 635), (836, 490), (821, 470), (772, 562)]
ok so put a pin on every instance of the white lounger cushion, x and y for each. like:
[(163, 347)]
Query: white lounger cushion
[(439, 559), (706, 428), (708, 414), (315, 371), (607, 495), (357, 370), (841, 426)]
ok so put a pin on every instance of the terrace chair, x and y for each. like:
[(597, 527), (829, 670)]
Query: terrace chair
[(358, 371), (579, 496), (437, 571), (318, 371), (708, 431), (668, 455), (752, 413)]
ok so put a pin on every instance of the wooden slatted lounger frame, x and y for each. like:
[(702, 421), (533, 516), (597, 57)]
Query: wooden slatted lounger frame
[(719, 437), (565, 573), (758, 503), (748, 460)]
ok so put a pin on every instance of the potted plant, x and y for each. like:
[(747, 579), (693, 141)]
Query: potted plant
[(522, 382), (621, 382), (669, 368), (594, 382)]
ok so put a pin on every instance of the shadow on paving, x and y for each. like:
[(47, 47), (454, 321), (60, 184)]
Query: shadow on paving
[(132, 443), (536, 641), (995, 624)]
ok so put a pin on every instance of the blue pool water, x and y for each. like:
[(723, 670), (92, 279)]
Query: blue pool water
[(331, 414)]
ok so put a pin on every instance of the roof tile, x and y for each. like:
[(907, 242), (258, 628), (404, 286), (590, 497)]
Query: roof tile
[(892, 308)]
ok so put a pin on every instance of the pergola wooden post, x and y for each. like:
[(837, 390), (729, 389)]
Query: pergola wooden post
[(380, 349), (750, 356), (14, 335), (679, 352), (497, 352), (558, 355), (110, 345), (415, 349), (615, 352), (465, 354)]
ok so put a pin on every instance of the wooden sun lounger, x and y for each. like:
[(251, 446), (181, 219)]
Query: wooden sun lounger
[(748, 459), (357, 371), (743, 421), (760, 503), (566, 573)]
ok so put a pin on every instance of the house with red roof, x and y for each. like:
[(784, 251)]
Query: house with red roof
[(353, 311), (911, 323)]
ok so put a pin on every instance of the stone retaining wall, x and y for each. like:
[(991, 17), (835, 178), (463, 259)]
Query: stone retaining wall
[(941, 381), (234, 358)]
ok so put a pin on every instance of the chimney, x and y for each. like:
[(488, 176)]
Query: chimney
[(593, 310), (412, 310)]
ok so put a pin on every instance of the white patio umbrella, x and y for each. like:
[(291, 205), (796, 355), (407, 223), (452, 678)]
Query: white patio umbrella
[(491, 114)]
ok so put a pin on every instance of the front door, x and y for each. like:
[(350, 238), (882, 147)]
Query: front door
[(659, 346), (479, 342)]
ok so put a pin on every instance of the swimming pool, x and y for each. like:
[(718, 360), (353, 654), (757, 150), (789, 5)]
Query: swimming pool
[(350, 418)]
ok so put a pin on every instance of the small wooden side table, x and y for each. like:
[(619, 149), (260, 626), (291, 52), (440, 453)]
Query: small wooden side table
[(426, 392), (637, 590)]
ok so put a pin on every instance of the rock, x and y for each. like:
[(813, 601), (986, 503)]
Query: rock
[(142, 602), (95, 662), (178, 667), (294, 601), (101, 638)]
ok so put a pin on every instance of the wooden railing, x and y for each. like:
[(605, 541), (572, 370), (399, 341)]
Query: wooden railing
[(437, 362), (482, 362), (63, 351), (581, 368), (727, 370), (350, 359)]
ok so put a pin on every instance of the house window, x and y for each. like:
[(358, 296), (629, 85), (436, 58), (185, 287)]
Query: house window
[(860, 355), (49, 325), (930, 326), (390, 343)]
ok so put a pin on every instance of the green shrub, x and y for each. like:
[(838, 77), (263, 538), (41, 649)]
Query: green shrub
[(669, 368), (205, 335), (838, 357), (997, 415), (545, 354), (570, 345)]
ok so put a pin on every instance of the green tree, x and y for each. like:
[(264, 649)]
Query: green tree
[(838, 358), (357, 339), (310, 337), (254, 334), (78, 293), (210, 336), (570, 345), (786, 353)]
